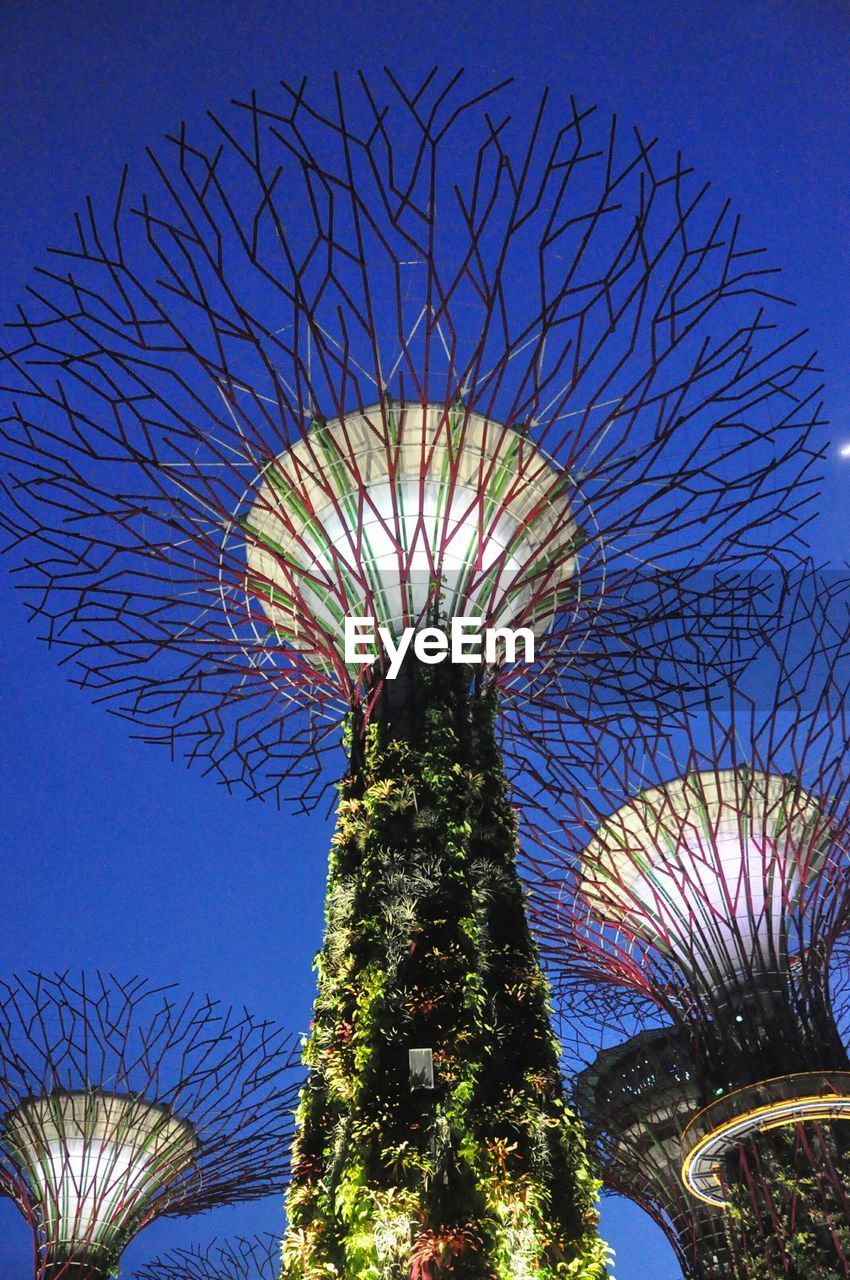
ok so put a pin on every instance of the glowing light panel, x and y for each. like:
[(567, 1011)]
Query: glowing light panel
[(707, 870), (95, 1161), (367, 513)]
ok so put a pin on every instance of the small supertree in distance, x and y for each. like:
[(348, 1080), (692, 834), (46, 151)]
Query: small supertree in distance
[(695, 902), (254, 1258), (121, 1102), (397, 362), (635, 1100)]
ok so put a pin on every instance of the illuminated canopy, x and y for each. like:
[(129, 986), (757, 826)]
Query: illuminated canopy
[(707, 868), (406, 513), (121, 1101), (94, 1162)]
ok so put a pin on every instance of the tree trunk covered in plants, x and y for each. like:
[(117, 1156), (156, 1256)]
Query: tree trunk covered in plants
[(427, 947)]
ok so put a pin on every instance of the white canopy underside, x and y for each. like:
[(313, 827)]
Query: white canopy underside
[(366, 514), (94, 1162), (709, 869)]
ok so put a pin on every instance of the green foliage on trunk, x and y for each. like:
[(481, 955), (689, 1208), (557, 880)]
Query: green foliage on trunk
[(791, 1217), (427, 946)]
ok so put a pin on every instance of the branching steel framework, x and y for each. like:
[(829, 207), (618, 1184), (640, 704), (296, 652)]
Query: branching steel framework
[(257, 1258), (122, 1102), (709, 915), (236, 358)]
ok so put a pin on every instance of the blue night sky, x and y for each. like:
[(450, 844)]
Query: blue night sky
[(113, 857)]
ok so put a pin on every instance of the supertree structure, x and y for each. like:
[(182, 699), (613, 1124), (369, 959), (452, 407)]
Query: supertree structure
[(401, 364), (254, 1258), (122, 1102), (698, 900), (635, 1099), (787, 1210)]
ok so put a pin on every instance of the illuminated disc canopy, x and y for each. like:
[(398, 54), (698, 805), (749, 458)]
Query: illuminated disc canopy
[(708, 868), (95, 1161), (404, 514)]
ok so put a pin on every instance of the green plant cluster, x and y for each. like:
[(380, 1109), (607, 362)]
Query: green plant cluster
[(485, 1176), (792, 1220)]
